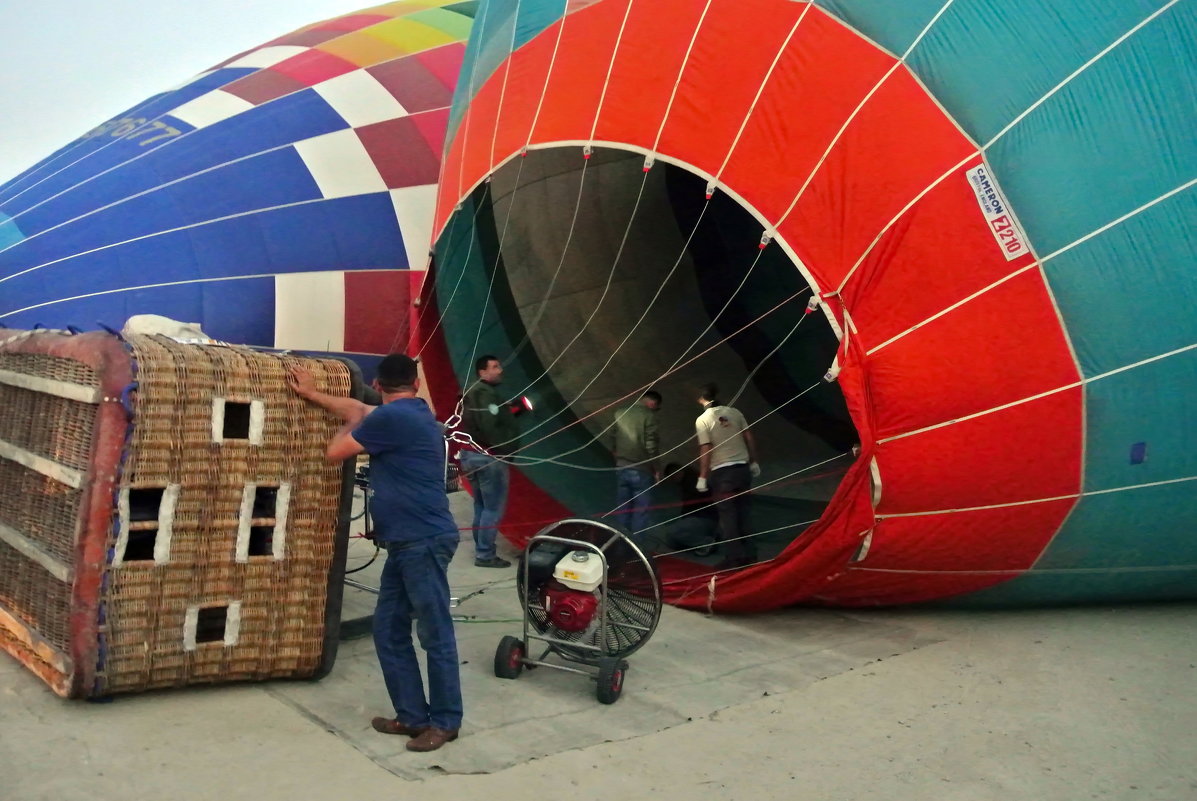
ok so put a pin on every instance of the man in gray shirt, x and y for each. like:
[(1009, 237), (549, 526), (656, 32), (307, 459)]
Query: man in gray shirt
[(635, 444)]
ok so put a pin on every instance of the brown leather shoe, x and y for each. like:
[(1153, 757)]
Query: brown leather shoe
[(431, 739), (392, 726)]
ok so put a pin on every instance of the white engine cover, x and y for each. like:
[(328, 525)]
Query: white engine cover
[(580, 570)]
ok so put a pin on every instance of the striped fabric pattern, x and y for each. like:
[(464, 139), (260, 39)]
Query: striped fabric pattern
[(282, 198)]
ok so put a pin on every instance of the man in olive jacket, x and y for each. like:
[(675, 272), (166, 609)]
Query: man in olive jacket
[(489, 419), (635, 444)]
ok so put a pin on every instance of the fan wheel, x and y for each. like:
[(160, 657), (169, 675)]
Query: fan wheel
[(509, 658), (612, 671)]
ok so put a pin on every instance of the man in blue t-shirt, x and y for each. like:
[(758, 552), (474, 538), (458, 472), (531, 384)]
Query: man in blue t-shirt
[(412, 521)]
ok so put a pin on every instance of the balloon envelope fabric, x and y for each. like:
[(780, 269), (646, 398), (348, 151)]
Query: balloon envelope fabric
[(981, 213), (278, 199)]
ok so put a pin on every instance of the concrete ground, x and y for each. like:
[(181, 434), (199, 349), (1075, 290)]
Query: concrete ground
[(1061, 704)]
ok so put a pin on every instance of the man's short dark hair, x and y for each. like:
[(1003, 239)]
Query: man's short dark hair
[(397, 372), (483, 362), (654, 396), (709, 392)]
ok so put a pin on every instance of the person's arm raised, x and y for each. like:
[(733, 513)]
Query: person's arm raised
[(350, 411)]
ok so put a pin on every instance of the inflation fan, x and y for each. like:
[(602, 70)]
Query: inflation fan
[(591, 596)]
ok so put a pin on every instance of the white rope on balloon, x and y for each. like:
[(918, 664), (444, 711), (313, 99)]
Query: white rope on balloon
[(678, 363), (648, 164)]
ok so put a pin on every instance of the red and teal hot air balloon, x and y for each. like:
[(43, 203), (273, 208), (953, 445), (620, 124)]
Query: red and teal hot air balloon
[(942, 251)]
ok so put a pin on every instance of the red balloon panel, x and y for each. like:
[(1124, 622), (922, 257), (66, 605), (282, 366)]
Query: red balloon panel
[(1002, 346), (721, 79), (578, 75), (864, 587), (1024, 452), (478, 132), (938, 254), (646, 69), (529, 68), (451, 186), (1005, 538), (896, 147), (818, 81)]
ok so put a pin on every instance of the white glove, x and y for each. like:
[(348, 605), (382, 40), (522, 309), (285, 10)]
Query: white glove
[(701, 486), (755, 469)]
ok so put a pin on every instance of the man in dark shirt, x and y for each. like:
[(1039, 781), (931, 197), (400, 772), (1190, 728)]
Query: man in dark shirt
[(489, 420), (412, 521)]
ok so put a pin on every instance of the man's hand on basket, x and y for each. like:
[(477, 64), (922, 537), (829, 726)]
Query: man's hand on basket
[(350, 410), (301, 381)]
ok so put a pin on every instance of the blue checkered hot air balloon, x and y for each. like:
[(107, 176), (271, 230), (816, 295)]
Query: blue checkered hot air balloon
[(282, 198)]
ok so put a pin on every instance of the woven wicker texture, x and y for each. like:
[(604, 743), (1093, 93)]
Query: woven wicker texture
[(42, 509), (53, 367), (36, 597), (56, 428), (282, 600)]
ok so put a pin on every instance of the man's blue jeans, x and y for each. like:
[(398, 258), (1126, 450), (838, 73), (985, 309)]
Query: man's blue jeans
[(632, 495), (489, 477), (414, 586)]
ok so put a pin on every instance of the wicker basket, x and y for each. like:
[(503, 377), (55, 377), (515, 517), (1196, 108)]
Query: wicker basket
[(166, 514)]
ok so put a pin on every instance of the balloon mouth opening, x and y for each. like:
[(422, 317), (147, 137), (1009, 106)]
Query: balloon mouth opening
[(597, 281)]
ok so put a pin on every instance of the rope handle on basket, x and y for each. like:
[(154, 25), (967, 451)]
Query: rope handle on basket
[(111, 330), (126, 400)]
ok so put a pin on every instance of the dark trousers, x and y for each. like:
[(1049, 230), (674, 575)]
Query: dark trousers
[(415, 586), (729, 490)]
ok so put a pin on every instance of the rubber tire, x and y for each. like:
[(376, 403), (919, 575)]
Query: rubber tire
[(508, 656), (611, 675)]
